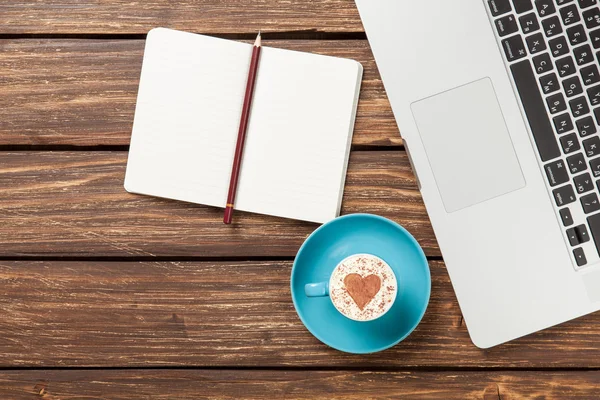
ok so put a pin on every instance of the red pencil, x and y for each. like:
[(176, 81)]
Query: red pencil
[(239, 148)]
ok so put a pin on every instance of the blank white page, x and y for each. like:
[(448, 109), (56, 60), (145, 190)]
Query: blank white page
[(187, 118)]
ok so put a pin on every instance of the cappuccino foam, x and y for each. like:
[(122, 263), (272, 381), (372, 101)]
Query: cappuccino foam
[(363, 287)]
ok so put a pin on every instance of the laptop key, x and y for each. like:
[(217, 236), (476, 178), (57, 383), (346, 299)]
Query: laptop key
[(590, 75), (556, 103), (586, 3), (576, 34), (569, 143), (572, 236), (506, 25), (564, 195), (514, 48), (536, 43), (557, 173), (597, 115), (579, 255), (572, 86), (570, 14), (558, 46), (594, 224), (582, 234), (583, 54), (595, 38), (563, 123), (499, 7), (576, 163), (594, 95), (590, 204), (545, 7), (549, 83), (566, 217), (586, 126), (522, 6), (535, 110), (565, 66), (592, 17), (595, 167), (583, 183), (529, 23), (552, 26), (592, 146), (542, 63), (579, 107)]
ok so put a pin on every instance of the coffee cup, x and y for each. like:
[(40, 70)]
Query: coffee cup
[(362, 287)]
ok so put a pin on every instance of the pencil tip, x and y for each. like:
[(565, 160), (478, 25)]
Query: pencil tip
[(258, 40)]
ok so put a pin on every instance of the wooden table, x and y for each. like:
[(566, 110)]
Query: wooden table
[(105, 294)]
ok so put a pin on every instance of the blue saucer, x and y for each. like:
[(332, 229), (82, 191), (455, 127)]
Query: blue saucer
[(353, 234)]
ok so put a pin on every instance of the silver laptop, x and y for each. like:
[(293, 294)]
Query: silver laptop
[(498, 102)]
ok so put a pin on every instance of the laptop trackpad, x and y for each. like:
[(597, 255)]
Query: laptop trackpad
[(468, 145)]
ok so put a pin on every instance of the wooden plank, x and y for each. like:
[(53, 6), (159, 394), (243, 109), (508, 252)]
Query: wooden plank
[(201, 314), (349, 385), (74, 204), (83, 92), (215, 16)]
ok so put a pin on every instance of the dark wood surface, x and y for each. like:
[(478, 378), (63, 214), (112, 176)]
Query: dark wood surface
[(202, 16), (74, 204), (309, 385), (207, 314), (82, 92), (106, 294)]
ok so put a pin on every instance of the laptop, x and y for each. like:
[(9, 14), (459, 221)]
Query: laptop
[(498, 103)]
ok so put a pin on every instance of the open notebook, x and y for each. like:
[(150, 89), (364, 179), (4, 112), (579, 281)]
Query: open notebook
[(187, 117)]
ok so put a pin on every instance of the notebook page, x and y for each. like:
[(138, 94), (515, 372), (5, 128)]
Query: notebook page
[(187, 116), (299, 135)]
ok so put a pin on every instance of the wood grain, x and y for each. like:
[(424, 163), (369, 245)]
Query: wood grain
[(206, 314), (83, 92), (348, 385), (215, 315), (216, 16), (74, 204)]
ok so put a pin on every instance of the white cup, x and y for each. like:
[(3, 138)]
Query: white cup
[(362, 287)]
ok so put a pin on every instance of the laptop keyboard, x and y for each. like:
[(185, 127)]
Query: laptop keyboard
[(552, 48)]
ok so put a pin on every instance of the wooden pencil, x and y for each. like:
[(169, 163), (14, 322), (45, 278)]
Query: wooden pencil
[(239, 148)]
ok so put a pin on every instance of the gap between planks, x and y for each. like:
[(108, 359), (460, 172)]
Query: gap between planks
[(227, 384), (125, 148), (292, 35)]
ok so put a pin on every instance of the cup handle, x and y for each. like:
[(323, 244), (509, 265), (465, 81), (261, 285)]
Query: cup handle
[(320, 289)]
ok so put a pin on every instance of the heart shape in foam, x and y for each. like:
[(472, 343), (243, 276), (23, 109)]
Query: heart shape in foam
[(362, 290)]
